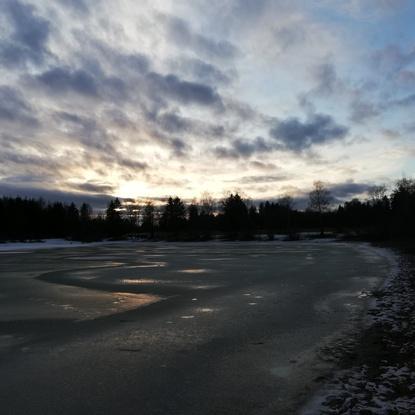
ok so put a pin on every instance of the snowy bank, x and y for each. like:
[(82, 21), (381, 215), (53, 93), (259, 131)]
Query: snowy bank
[(377, 373), (44, 244)]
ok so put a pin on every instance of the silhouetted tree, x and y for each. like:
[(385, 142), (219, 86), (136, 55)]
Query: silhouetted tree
[(85, 212), (113, 211), (379, 216), (113, 218), (173, 217), (207, 208), (193, 215), (235, 213), (148, 224), (403, 206), (319, 202), (71, 220)]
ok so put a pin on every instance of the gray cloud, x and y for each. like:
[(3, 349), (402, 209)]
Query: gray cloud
[(98, 201), (177, 145), (263, 165), (392, 58), (204, 72), (247, 9), (93, 187), (241, 148), (181, 91), (123, 62), (363, 110), (406, 101), (95, 137), (173, 123), (62, 80), (293, 134), (79, 6), (182, 34), (349, 189), (327, 80), (29, 34), (289, 36), (85, 129), (260, 179), (407, 77), (13, 108)]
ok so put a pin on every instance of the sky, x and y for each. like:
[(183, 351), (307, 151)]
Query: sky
[(151, 98)]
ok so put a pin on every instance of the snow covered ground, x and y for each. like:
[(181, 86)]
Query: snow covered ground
[(379, 378), (44, 244)]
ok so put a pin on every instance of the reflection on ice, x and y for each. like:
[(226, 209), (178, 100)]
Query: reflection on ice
[(129, 301), (194, 270), (148, 265), (140, 281), (205, 287), (206, 310)]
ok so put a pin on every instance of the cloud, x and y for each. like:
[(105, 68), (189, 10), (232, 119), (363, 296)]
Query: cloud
[(62, 80), (361, 110), (93, 187), (204, 72), (260, 179), (183, 92), (296, 135), (349, 189), (117, 91), (367, 8), (327, 80), (98, 201), (242, 148), (173, 123), (97, 52), (289, 36), (96, 139), (392, 58), (406, 101), (79, 6), (14, 108), (263, 165), (182, 34), (29, 34)]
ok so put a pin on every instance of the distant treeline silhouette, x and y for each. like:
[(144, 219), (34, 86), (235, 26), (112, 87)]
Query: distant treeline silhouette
[(379, 217)]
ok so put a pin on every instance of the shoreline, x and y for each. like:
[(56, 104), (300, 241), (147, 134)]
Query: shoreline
[(376, 371)]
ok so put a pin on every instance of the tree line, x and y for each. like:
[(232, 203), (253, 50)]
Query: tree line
[(380, 216)]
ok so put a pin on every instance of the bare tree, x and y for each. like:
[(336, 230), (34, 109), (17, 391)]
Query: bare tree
[(320, 201), (207, 204), (377, 193)]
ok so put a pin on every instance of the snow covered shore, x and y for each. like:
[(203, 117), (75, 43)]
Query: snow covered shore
[(43, 244), (377, 373)]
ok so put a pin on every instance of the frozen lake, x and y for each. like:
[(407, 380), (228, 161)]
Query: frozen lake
[(166, 328)]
